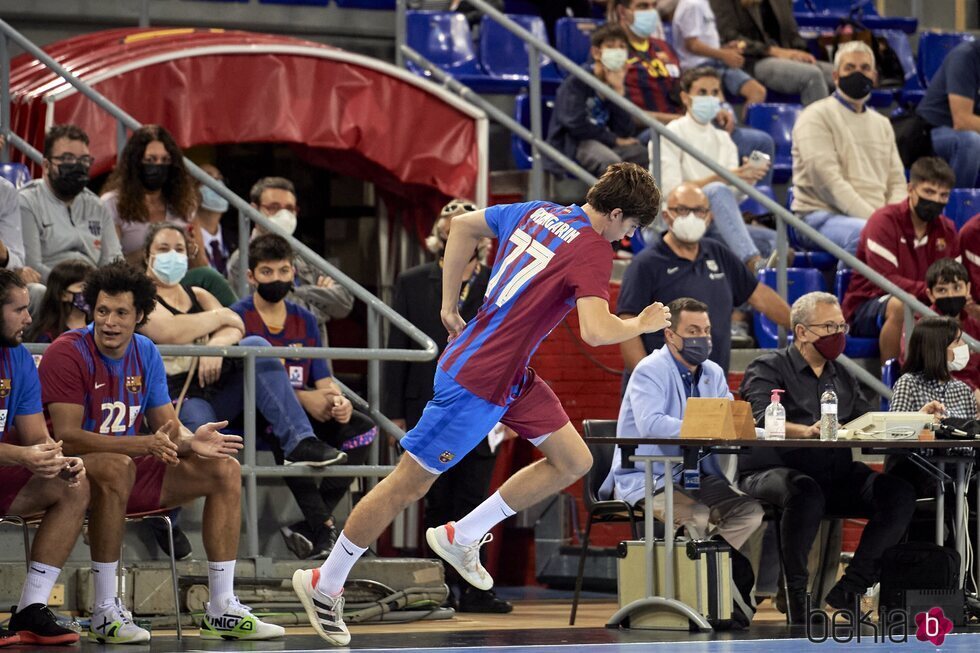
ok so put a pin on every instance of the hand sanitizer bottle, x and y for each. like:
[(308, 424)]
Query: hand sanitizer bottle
[(775, 425)]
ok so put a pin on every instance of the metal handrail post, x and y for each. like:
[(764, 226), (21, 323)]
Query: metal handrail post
[(401, 31), (467, 94), (244, 237), (121, 137), (4, 96), (782, 284), (374, 373), (655, 157), (251, 483), (534, 97), (32, 152)]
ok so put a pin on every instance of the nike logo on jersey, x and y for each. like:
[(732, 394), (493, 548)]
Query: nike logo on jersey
[(672, 270), (99, 385)]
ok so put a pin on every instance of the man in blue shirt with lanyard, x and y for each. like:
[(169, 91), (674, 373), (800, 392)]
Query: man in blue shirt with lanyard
[(654, 406), (36, 477)]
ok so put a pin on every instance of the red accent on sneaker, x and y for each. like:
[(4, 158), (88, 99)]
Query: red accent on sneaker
[(451, 532), (316, 577), (27, 637)]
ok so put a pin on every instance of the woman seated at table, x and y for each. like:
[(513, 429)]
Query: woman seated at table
[(935, 348)]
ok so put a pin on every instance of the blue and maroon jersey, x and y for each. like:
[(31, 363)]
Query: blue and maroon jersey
[(20, 390), (300, 330), (114, 392), (548, 257), (653, 77)]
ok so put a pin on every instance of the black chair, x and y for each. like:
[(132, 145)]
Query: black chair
[(600, 512)]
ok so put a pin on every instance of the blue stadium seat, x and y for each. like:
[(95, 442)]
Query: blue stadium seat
[(828, 13), (964, 203), (799, 281), (572, 37), (520, 148), (16, 173), (889, 375), (933, 48), (754, 207), (367, 4), (504, 56), (777, 120), (443, 37), (856, 347)]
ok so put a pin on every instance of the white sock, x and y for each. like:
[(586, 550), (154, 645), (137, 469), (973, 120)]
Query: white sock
[(221, 583), (484, 517), (106, 583), (38, 585), (337, 566)]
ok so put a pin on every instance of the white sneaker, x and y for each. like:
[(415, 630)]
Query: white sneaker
[(113, 624), (464, 558), (236, 622), (326, 613)]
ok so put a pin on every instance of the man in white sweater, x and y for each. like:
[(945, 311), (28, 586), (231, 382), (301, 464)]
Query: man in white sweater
[(845, 161), (702, 96)]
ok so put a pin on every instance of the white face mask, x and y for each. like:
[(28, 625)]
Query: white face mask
[(689, 228), (961, 356), (285, 220), (613, 59)]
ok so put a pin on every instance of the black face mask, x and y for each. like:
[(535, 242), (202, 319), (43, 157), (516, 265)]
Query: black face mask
[(927, 210), (274, 291), (950, 306), (70, 180), (856, 86), (154, 175)]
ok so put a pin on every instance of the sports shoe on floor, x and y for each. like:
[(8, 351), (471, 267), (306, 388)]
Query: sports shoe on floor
[(312, 452), (326, 613), (236, 622), (464, 559), (8, 638), (113, 624), (297, 539), (36, 624), (485, 602)]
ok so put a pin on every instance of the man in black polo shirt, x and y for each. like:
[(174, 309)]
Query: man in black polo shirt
[(806, 483), (683, 264)]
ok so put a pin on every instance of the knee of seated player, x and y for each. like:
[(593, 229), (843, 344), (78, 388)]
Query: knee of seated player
[(110, 472), (577, 464), (76, 496), (227, 471)]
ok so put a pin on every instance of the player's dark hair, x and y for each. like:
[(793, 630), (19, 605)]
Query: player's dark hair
[(120, 277), (629, 187), (927, 348), (946, 270), (9, 279), (268, 247), (932, 169), (685, 304)]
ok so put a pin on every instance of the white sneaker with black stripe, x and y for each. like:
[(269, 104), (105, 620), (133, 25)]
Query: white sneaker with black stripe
[(326, 613)]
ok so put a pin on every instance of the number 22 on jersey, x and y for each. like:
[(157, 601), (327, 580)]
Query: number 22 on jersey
[(523, 244), (115, 415)]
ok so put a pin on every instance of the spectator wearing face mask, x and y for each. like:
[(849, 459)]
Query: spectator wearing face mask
[(584, 126), (150, 184), (63, 307), (900, 242), (218, 243), (60, 217), (275, 197)]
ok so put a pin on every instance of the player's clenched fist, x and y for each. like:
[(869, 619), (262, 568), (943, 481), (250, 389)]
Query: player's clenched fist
[(654, 317)]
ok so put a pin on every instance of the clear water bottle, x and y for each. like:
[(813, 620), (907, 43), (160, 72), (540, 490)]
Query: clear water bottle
[(775, 424), (828, 414)]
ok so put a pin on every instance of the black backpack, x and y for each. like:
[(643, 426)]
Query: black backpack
[(919, 575)]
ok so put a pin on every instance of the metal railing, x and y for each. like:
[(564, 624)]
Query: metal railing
[(783, 216), (247, 214)]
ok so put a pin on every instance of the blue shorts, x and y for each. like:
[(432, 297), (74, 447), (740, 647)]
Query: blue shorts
[(456, 420), (868, 318)]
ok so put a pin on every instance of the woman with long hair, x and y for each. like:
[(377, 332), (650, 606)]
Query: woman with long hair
[(935, 348), (150, 185), (63, 307)]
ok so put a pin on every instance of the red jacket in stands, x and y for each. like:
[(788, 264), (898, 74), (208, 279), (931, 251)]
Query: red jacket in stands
[(970, 246), (889, 246)]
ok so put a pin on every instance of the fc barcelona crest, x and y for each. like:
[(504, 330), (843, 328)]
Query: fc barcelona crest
[(134, 383), (446, 457), (4, 388)]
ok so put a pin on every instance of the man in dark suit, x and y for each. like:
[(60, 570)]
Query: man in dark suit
[(408, 387), (766, 34)]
